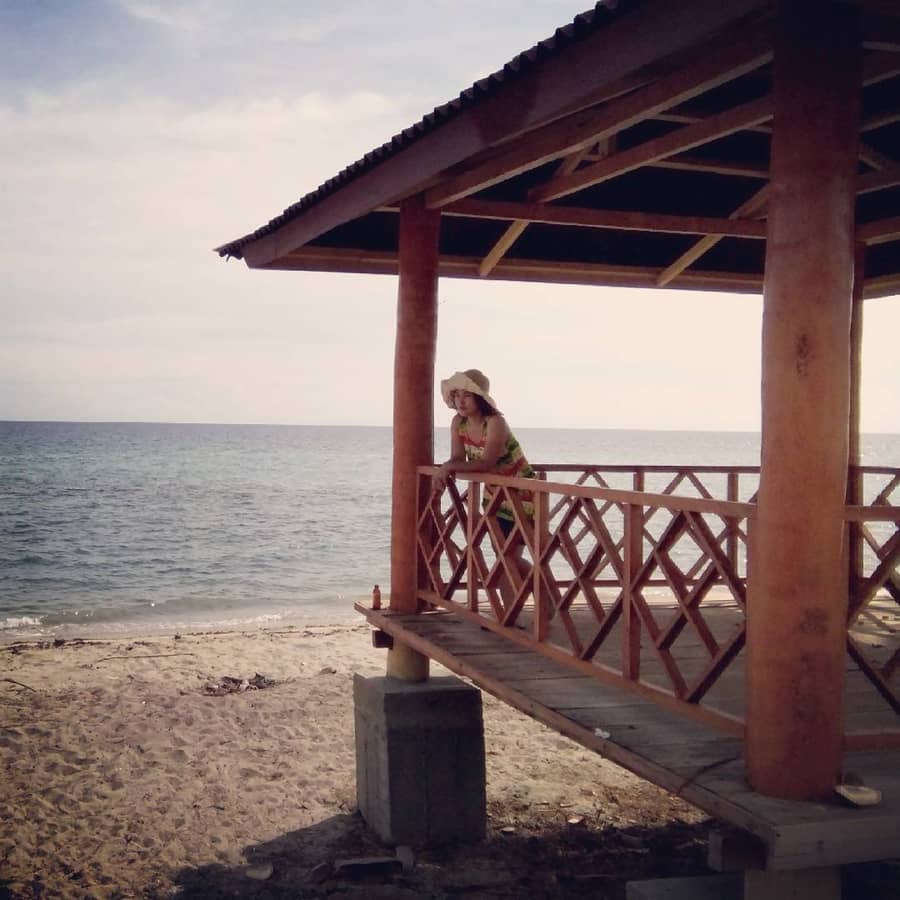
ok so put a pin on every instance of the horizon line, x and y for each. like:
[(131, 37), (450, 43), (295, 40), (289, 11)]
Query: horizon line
[(352, 425)]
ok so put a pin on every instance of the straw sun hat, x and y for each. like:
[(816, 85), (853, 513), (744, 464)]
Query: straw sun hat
[(471, 380)]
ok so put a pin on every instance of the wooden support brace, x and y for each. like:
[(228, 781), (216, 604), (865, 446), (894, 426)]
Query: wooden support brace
[(381, 640)]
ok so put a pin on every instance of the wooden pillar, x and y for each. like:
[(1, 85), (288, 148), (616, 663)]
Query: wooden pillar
[(413, 410), (856, 334), (855, 479), (797, 599)]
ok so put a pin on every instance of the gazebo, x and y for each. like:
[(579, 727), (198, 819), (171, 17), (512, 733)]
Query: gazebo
[(729, 633)]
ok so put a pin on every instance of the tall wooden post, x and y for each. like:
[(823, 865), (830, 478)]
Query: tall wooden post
[(855, 479), (797, 597), (414, 354)]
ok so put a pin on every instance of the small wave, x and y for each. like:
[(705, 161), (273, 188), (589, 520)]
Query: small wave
[(31, 559), (11, 622)]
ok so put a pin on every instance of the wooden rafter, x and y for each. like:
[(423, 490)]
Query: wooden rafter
[(498, 251), (876, 68), (747, 209), (880, 120), (879, 180), (515, 229), (882, 231), (686, 138), (874, 158), (870, 123), (588, 127), (879, 67), (883, 286), (712, 166), (549, 214), (881, 33)]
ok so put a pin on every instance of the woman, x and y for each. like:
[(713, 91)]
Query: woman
[(481, 441)]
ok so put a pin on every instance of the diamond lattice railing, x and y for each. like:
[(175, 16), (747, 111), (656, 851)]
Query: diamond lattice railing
[(603, 573), (706, 651), (639, 573)]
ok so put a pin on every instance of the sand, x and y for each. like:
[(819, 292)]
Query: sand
[(122, 776)]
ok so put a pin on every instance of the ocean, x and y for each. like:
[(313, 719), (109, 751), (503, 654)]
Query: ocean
[(137, 527)]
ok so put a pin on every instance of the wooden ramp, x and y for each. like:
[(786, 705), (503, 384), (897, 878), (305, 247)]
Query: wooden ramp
[(688, 758)]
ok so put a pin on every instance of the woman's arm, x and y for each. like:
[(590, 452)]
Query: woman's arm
[(457, 454)]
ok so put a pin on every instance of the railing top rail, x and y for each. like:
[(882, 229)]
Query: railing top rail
[(643, 467), (732, 509), (630, 467)]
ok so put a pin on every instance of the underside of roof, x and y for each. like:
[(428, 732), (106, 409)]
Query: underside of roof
[(631, 148)]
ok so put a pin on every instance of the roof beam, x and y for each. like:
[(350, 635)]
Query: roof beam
[(686, 138), (590, 126), (607, 219), (330, 259)]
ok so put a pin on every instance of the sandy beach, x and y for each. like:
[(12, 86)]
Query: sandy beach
[(131, 769)]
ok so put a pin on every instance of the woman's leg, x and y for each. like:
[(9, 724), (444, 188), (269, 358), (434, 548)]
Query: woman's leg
[(513, 555)]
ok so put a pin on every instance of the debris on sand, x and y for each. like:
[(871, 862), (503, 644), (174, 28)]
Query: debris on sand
[(261, 872), (228, 684)]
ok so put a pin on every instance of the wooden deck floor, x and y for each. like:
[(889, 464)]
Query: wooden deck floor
[(866, 710), (687, 758)]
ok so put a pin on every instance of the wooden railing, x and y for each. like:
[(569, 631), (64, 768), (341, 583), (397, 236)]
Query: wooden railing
[(635, 574)]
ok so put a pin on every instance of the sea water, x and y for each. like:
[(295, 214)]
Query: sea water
[(133, 526)]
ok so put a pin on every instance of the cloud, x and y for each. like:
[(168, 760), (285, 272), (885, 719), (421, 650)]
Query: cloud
[(275, 21), (153, 176), (174, 14)]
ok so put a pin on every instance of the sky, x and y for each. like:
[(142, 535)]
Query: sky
[(137, 135)]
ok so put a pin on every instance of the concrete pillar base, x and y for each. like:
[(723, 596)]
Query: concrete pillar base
[(699, 887), (794, 884), (420, 777)]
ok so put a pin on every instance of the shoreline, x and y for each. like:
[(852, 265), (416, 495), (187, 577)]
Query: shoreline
[(243, 619), (249, 618), (124, 775)]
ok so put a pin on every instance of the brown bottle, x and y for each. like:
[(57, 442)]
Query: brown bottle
[(376, 597)]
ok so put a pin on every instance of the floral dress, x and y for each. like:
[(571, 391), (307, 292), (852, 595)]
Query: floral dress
[(511, 464)]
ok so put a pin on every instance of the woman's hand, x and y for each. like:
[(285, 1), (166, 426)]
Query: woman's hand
[(443, 477)]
